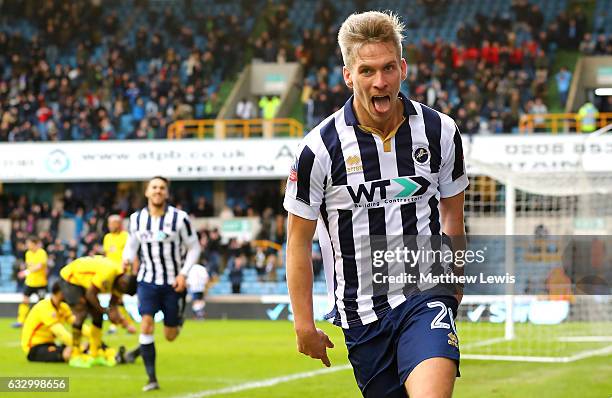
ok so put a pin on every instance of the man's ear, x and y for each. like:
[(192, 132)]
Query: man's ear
[(346, 74), (404, 68)]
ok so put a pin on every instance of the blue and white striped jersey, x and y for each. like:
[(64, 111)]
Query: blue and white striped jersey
[(166, 245), (359, 185)]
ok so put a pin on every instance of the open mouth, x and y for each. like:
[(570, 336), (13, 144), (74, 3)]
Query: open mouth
[(382, 103)]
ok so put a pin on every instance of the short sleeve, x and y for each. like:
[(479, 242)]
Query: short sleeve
[(453, 178), (305, 185), (188, 233)]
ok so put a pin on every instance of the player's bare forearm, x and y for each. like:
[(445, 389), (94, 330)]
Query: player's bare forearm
[(115, 316), (310, 340), (92, 299), (451, 214), (299, 271)]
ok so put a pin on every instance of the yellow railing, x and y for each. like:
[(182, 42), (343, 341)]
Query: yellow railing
[(235, 128), (267, 244), (558, 122)]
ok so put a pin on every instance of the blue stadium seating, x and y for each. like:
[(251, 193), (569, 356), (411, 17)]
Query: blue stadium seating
[(7, 285)]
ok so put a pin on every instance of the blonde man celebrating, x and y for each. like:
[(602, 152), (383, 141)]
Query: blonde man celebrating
[(381, 166)]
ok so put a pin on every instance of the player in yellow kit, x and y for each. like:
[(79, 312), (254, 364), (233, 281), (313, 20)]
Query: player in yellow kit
[(35, 277), (44, 325), (115, 239), (114, 243), (81, 281)]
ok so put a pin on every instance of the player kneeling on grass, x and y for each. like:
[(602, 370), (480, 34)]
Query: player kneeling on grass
[(44, 325), (81, 281)]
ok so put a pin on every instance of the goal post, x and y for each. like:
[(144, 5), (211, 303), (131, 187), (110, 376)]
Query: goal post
[(543, 206)]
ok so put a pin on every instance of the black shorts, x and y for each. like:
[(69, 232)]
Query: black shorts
[(153, 298), (197, 296), (40, 291), (47, 352), (72, 293)]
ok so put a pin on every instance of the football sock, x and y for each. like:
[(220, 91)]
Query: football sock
[(147, 349), (76, 338), (22, 312), (95, 340)]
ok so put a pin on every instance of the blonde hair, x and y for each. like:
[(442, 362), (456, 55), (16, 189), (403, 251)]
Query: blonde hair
[(369, 27)]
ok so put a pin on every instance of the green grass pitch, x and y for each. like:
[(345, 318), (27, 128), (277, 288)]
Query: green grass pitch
[(213, 355)]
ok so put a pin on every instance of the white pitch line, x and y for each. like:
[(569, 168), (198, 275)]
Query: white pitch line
[(265, 383), (586, 354), (483, 343), (519, 358), (514, 358), (586, 339)]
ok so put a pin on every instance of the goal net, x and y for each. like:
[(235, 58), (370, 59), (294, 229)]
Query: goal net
[(542, 208)]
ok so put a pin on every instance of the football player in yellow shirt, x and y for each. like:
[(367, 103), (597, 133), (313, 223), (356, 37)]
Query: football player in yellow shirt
[(81, 281), (114, 243), (35, 276), (44, 325)]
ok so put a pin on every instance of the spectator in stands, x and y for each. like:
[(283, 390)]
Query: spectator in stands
[(235, 265), (564, 80), (539, 109), (214, 252), (606, 104), (245, 109), (603, 46), (587, 45), (57, 259), (268, 106), (203, 208), (260, 262), (588, 114), (56, 215)]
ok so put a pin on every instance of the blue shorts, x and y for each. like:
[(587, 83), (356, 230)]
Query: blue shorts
[(383, 353), (153, 298)]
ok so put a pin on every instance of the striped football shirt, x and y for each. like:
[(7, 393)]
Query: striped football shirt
[(360, 186), (161, 244)]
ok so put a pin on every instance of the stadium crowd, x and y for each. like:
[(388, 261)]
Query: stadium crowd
[(82, 70), (86, 71), (493, 72)]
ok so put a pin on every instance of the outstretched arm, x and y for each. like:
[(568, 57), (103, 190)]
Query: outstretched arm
[(310, 340)]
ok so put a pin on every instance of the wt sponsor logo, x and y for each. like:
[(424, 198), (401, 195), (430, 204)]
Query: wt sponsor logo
[(400, 190)]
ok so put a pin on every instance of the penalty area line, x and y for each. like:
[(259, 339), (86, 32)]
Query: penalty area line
[(265, 382)]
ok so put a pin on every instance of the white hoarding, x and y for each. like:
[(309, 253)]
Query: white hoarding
[(268, 159), (134, 160)]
